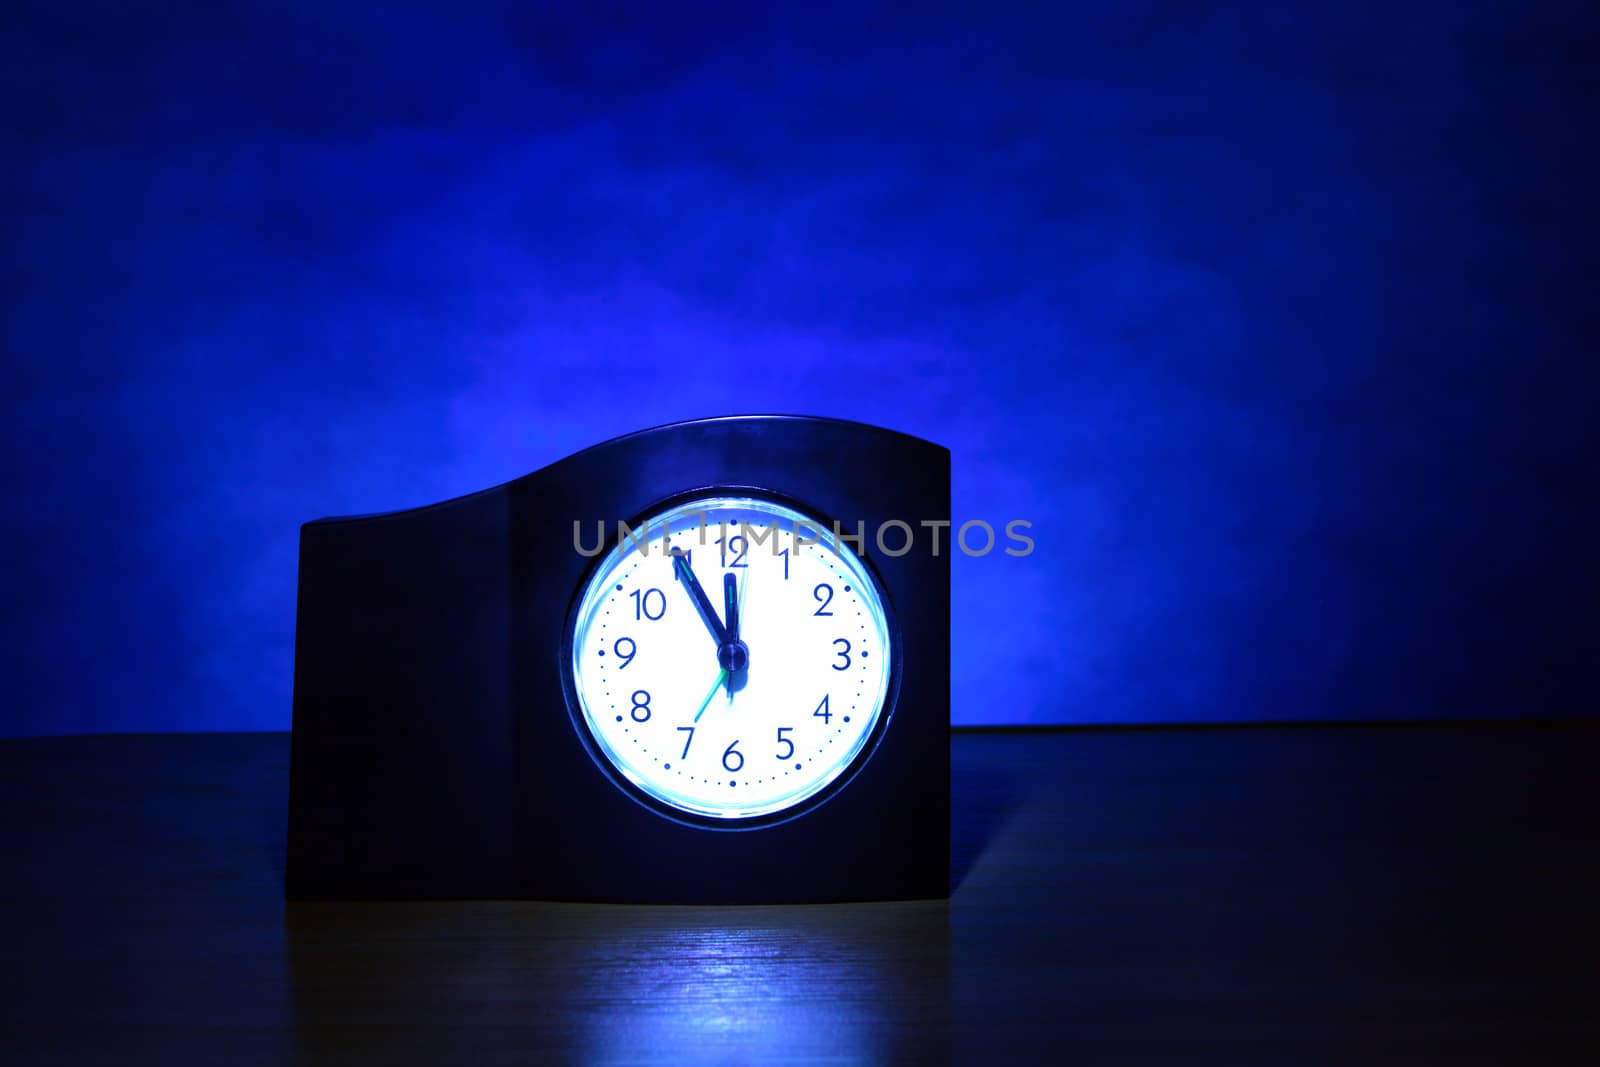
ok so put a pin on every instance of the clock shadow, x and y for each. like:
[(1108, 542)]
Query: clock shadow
[(982, 799), (488, 982)]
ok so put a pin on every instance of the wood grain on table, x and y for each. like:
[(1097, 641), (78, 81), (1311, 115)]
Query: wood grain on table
[(1299, 895)]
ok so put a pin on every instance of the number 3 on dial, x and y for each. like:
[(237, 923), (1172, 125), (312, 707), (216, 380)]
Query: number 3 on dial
[(681, 658)]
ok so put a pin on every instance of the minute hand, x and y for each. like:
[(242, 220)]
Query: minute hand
[(730, 608), (681, 568)]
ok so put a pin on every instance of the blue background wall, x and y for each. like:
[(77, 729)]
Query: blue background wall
[(1274, 321)]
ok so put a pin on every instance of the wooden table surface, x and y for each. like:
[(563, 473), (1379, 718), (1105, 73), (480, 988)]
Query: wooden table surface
[(1304, 895)]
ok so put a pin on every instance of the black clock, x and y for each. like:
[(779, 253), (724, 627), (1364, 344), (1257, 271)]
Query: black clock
[(702, 663)]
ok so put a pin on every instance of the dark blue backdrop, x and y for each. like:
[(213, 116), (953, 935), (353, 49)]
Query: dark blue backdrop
[(1272, 320)]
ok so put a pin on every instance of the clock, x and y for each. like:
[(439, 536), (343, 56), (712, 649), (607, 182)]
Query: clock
[(704, 663)]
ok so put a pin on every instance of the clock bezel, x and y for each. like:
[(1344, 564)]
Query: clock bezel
[(695, 820)]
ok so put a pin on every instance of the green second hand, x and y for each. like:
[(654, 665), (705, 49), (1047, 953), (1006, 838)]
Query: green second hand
[(707, 701)]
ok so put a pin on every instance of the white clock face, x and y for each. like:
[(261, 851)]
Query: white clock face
[(742, 678)]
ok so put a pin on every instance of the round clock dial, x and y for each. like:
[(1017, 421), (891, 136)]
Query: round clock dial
[(731, 659)]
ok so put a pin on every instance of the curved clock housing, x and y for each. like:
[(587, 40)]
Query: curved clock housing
[(449, 734)]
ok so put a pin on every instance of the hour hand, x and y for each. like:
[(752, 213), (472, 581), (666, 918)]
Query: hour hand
[(684, 574)]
